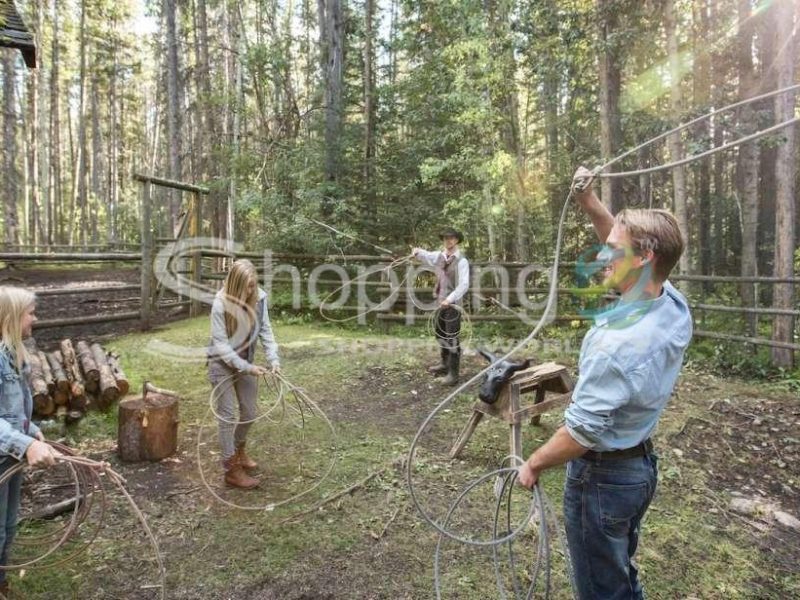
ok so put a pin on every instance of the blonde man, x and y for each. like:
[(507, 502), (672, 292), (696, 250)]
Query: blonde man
[(19, 437), (628, 366), (239, 317)]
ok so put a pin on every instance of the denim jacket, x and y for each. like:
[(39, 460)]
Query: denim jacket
[(220, 347), (17, 432)]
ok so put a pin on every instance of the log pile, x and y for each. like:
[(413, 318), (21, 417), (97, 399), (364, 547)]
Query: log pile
[(73, 379)]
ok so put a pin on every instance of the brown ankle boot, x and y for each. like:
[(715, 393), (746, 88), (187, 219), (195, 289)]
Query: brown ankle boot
[(5, 593), (244, 460), (235, 476)]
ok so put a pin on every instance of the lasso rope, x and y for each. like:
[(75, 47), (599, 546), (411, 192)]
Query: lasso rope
[(405, 260), (598, 171), (86, 476), (288, 396)]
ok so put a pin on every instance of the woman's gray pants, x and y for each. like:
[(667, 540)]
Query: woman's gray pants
[(239, 391)]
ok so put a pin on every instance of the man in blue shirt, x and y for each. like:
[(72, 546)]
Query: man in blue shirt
[(628, 365)]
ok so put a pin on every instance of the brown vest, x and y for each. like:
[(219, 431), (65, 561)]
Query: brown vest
[(446, 276)]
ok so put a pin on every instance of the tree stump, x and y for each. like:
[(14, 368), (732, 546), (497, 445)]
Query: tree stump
[(148, 427)]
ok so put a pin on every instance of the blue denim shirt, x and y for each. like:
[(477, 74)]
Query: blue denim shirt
[(628, 366), (16, 406), (219, 347)]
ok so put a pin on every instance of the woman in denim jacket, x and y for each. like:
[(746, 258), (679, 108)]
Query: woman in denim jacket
[(238, 318), (19, 437)]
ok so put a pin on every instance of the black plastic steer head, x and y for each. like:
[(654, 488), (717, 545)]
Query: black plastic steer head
[(497, 376)]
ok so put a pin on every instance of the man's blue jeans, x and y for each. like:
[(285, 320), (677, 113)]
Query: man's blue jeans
[(9, 510), (604, 502)]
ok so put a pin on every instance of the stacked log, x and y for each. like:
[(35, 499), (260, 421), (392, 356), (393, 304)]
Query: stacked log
[(66, 382)]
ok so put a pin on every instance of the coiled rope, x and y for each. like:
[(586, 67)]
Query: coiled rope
[(293, 402), (87, 481)]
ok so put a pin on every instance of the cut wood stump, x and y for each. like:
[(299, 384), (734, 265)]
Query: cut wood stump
[(119, 374), (42, 402), (91, 373), (109, 392), (47, 372), (61, 393), (148, 426)]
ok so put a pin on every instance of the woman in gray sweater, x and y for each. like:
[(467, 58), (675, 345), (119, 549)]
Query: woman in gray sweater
[(239, 317)]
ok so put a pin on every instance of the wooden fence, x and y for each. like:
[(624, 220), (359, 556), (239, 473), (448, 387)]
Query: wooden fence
[(482, 302), (479, 299), (150, 297)]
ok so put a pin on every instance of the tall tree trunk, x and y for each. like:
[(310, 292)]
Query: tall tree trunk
[(369, 101), (674, 141), (96, 166), (334, 85), (35, 229), (10, 171), (55, 218), (719, 258), (702, 97), (748, 163), (785, 174), (174, 106), (610, 84), (113, 146), (79, 193), (765, 34)]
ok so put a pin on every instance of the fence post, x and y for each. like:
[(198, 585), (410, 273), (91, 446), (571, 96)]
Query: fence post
[(194, 233), (147, 257)]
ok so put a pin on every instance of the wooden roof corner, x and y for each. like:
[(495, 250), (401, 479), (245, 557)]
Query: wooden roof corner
[(14, 33)]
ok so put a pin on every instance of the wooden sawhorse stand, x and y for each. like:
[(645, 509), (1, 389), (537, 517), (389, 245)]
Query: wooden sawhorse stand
[(547, 377)]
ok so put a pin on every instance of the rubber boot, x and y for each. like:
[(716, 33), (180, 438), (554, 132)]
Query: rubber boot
[(241, 457), (235, 475), (452, 372), (441, 368)]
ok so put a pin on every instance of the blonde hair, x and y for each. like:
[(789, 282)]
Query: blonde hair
[(657, 230), (14, 302), (238, 301)]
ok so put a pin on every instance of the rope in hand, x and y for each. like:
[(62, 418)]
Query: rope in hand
[(289, 399), (388, 301), (540, 509), (86, 477)]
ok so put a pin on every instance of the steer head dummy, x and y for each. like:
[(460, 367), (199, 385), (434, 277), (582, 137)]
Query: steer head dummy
[(497, 376)]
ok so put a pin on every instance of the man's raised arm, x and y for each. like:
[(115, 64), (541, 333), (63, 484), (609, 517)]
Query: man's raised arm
[(601, 217)]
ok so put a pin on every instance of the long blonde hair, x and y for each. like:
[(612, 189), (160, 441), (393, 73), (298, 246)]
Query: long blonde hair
[(14, 302), (239, 302)]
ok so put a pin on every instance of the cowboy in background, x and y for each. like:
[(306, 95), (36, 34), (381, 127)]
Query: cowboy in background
[(452, 282)]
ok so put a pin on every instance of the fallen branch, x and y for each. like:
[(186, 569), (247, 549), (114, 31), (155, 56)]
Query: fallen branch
[(336, 496), (181, 492), (53, 510), (385, 527)]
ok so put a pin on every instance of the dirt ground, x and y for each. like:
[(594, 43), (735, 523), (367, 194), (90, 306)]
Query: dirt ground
[(743, 439), (749, 445)]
